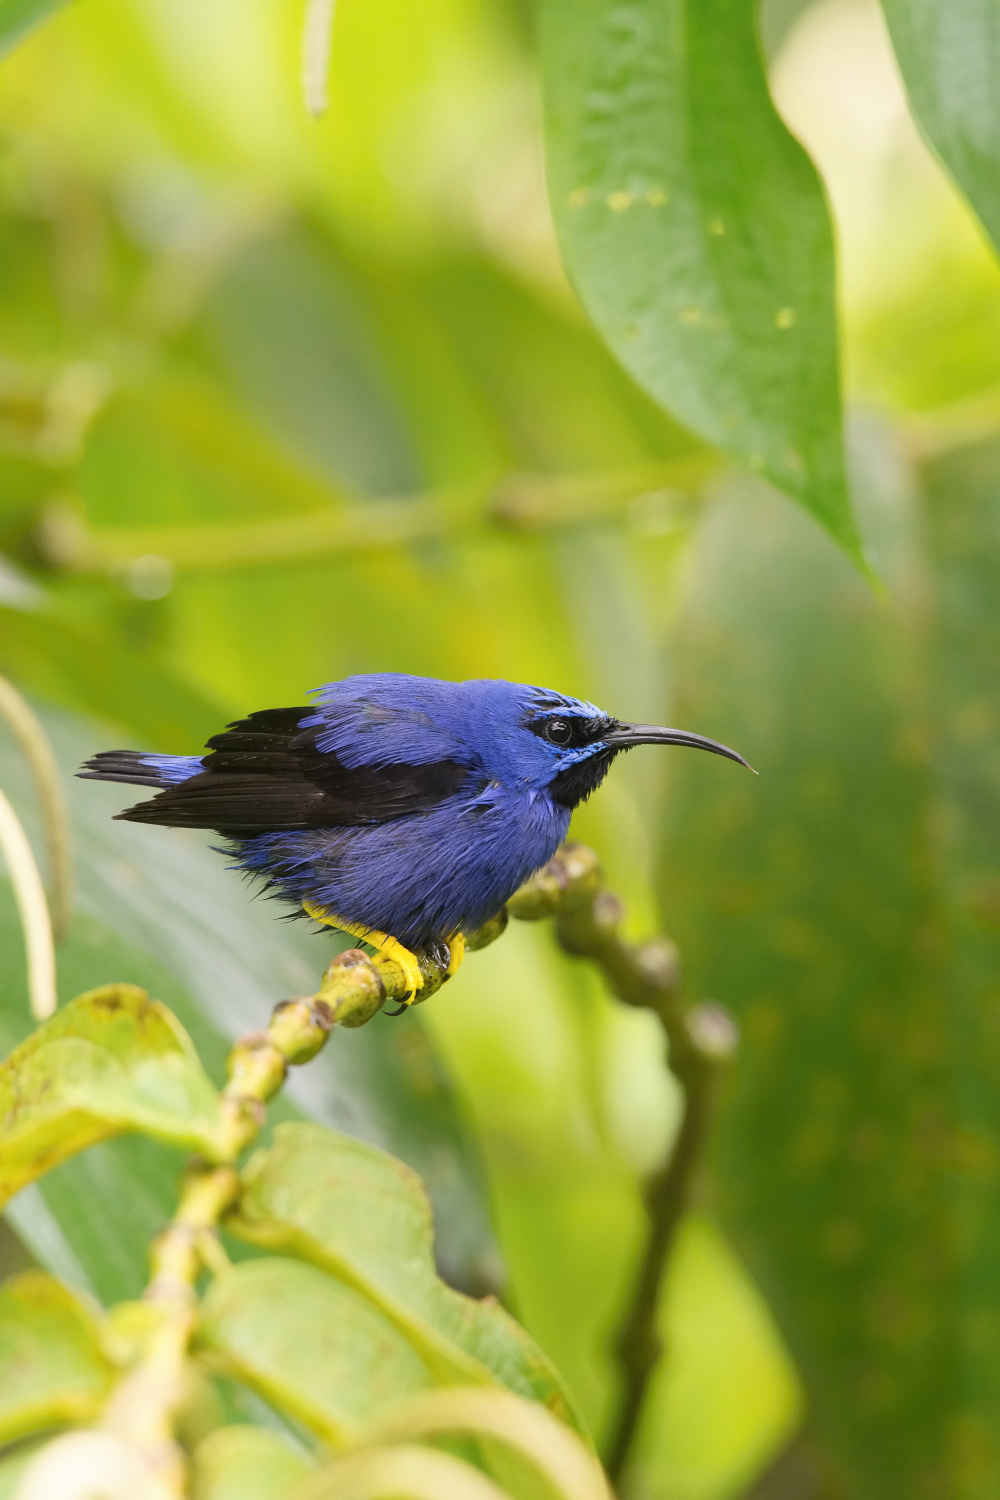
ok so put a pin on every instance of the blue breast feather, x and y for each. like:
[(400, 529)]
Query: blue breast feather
[(421, 877)]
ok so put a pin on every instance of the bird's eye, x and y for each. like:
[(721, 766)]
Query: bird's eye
[(559, 731)]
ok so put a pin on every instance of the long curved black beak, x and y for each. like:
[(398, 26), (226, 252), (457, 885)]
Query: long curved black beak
[(626, 735)]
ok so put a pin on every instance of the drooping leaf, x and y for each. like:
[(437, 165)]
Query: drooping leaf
[(111, 1060), (19, 16), (245, 1463), (949, 55), (696, 233), (364, 1217), (52, 1369), (842, 906), (308, 1344)]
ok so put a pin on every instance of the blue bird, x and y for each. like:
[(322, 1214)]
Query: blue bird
[(404, 811)]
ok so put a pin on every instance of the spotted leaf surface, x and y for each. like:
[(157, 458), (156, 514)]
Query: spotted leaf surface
[(696, 233), (112, 1060)]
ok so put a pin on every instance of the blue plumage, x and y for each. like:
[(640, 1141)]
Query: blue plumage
[(407, 805)]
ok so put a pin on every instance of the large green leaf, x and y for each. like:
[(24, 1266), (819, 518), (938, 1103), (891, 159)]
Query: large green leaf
[(696, 232), (308, 1344), (963, 530), (364, 1217), (949, 55), (52, 1369), (111, 1060), (19, 16), (842, 905), (245, 1463)]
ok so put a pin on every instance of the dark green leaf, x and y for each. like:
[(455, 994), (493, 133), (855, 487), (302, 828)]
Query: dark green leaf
[(245, 1463), (364, 1217), (696, 231), (19, 16), (51, 1366), (109, 1061), (843, 905), (949, 55), (308, 1344)]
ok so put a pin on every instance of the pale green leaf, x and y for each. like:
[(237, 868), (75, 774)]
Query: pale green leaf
[(109, 1061), (364, 1216), (949, 55), (245, 1463), (52, 1369), (309, 1345), (696, 233)]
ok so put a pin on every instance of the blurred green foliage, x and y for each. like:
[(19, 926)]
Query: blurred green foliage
[(282, 400)]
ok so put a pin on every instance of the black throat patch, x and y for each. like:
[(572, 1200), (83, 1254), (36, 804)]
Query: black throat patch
[(577, 782)]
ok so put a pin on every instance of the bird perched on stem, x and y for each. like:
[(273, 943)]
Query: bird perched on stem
[(404, 811)]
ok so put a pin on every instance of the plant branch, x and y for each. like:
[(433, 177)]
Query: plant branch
[(354, 987), (514, 503), (700, 1040)]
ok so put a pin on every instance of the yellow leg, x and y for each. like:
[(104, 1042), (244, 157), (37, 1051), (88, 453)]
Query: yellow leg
[(389, 948)]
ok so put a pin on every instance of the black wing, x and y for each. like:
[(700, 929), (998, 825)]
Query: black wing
[(265, 774)]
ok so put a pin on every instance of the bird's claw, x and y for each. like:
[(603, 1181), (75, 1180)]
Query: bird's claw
[(438, 962)]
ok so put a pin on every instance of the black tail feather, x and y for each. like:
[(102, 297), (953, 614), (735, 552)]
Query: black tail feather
[(122, 765)]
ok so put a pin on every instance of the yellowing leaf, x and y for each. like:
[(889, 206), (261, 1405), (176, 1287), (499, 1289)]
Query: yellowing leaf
[(364, 1217), (52, 1369), (111, 1060)]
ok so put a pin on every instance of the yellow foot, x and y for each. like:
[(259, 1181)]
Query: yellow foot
[(390, 955), (456, 945)]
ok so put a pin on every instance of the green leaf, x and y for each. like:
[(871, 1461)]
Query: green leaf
[(308, 1344), (364, 1217), (844, 905), (19, 16), (52, 1369), (245, 1463), (949, 54), (696, 233), (109, 1061)]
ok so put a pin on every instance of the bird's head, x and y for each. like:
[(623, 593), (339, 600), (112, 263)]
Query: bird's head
[(522, 737), (566, 745)]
